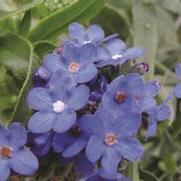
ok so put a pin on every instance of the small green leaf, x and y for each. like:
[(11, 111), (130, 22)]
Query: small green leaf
[(174, 5), (145, 32), (59, 20), (43, 47), (114, 21), (24, 25), (14, 54)]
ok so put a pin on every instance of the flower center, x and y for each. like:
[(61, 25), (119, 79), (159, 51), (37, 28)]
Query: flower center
[(120, 96), (58, 106), (110, 139), (6, 152), (116, 56), (73, 67)]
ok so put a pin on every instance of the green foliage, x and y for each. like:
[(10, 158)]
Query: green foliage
[(31, 29)]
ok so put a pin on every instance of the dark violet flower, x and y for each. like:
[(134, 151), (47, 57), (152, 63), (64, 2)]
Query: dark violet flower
[(111, 138), (71, 142), (131, 93), (80, 36), (115, 52), (40, 143), (13, 153), (41, 77), (76, 62), (98, 87), (177, 89), (55, 109), (142, 68)]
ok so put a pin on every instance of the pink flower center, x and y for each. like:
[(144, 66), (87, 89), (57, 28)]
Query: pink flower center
[(110, 139), (6, 152), (120, 96), (73, 67)]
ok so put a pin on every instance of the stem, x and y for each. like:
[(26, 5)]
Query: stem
[(133, 171)]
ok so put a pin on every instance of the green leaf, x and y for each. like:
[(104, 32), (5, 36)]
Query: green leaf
[(25, 23), (120, 3), (6, 14), (21, 111), (43, 47), (56, 23), (145, 32), (114, 20), (8, 24), (133, 171), (14, 54)]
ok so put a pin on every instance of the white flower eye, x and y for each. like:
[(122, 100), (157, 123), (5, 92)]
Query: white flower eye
[(58, 106)]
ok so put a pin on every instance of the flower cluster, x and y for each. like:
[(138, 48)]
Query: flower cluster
[(82, 113)]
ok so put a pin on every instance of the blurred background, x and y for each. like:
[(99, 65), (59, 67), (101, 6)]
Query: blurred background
[(31, 29)]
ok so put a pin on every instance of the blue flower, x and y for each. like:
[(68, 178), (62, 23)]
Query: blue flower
[(40, 144), (56, 108), (115, 52), (80, 36), (71, 142), (177, 89), (13, 153), (111, 138), (131, 93), (76, 62)]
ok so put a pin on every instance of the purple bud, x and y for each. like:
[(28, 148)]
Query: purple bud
[(143, 68), (43, 73)]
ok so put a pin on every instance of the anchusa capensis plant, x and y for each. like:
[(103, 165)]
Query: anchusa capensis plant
[(87, 117)]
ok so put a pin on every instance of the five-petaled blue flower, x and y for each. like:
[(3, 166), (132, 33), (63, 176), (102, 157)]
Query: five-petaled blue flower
[(13, 153), (55, 109), (76, 62), (177, 89), (111, 138), (130, 92), (115, 52), (80, 36)]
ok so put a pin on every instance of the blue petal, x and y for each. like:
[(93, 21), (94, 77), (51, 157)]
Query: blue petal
[(95, 33), (95, 148), (126, 124), (110, 160), (17, 135), (39, 99), (83, 167), (70, 52), (177, 91), (151, 89), (163, 113), (75, 148), (61, 142), (52, 62), (87, 53), (130, 148), (64, 121), (24, 162), (3, 135), (178, 70), (87, 73), (41, 122), (152, 127), (4, 169), (132, 53), (60, 80), (77, 31), (79, 97), (115, 46)]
